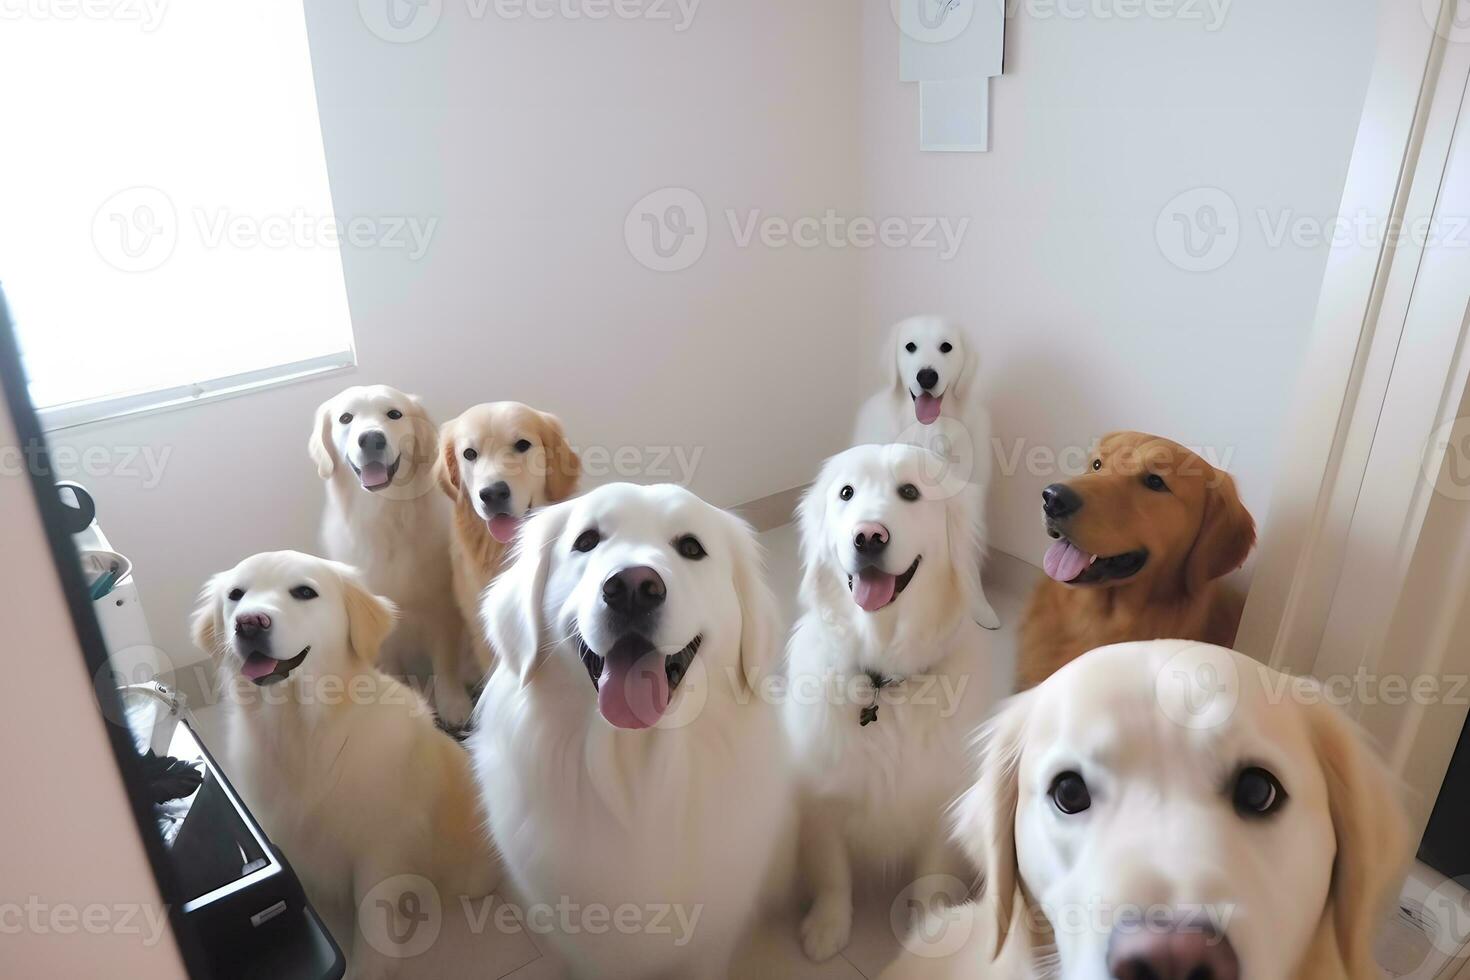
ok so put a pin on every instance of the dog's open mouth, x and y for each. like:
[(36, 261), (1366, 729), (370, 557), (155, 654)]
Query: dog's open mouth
[(634, 682), (375, 476), (872, 588), (1068, 563), (263, 670), (926, 406)]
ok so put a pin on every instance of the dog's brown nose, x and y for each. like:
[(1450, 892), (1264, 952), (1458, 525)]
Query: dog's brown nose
[(1167, 950), (252, 624), (871, 538), (634, 591)]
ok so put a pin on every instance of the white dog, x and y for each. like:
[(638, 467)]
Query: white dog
[(341, 763), (1171, 809), (888, 674), (384, 518), (631, 760), (931, 401)]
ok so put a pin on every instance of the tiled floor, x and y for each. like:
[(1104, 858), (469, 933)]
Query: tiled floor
[(471, 944)]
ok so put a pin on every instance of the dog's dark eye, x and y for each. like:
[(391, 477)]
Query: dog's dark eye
[(946, 347), (394, 414), (1069, 793), (236, 595), (690, 547), (522, 445), (1097, 464), (911, 347), (1155, 482), (908, 492), (303, 592), (587, 540), (1257, 793), (345, 417), (471, 455), (845, 493)]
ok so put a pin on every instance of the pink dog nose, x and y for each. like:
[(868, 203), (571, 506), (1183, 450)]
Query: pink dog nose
[(871, 538), (1167, 951), (252, 624)]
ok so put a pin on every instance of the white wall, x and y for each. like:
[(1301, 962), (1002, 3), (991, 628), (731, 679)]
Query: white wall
[(529, 141), (1084, 324)]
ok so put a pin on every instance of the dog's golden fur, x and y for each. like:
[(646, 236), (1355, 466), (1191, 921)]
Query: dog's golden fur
[(1195, 532), (546, 474)]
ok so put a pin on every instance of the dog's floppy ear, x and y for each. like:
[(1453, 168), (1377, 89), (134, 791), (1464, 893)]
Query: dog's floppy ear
[(985, 815), (563, 465), (760, 622), (1226, 534), (1373, 846), (811, 515), (890, 360), (206, 625), (446, 470), (370, 618), (969, 371), (319, 446), (510, 610)]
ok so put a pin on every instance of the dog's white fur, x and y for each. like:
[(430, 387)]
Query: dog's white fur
[(341, 763), (1158, 730), (397, 536), (684, 815), (961, 434), (874, 796)]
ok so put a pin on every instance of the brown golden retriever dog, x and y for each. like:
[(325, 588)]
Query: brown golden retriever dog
[(1140, 540), (496, 462)]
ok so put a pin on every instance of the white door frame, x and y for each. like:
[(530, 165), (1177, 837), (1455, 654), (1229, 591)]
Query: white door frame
[(1386, 368)]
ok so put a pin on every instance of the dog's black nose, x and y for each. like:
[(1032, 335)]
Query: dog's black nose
[(928, 378), (1060, 500), (1165, 951), (496, 494), (373, 439), (870, 540), (634, 591), (251, 625)]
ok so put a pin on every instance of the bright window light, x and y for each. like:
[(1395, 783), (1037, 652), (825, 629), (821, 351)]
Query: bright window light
[(166, 227)]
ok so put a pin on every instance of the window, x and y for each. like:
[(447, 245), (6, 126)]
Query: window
[(166, 228)]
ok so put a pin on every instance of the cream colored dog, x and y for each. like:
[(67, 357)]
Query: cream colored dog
[(376, 446), (1171, 809), (341, 763), (888, 675)]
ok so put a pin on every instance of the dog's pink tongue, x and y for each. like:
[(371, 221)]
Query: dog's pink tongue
[(257, 665), (872, 589), (373, 475), (926, 407), (1065, 561), (503, 527), (633, 691)]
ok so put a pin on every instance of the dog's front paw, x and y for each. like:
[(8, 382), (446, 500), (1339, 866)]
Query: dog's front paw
[(985, 616), (827, 927)]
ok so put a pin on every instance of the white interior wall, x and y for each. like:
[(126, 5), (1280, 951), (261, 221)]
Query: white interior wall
[(1100, 120), (529, 141)]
